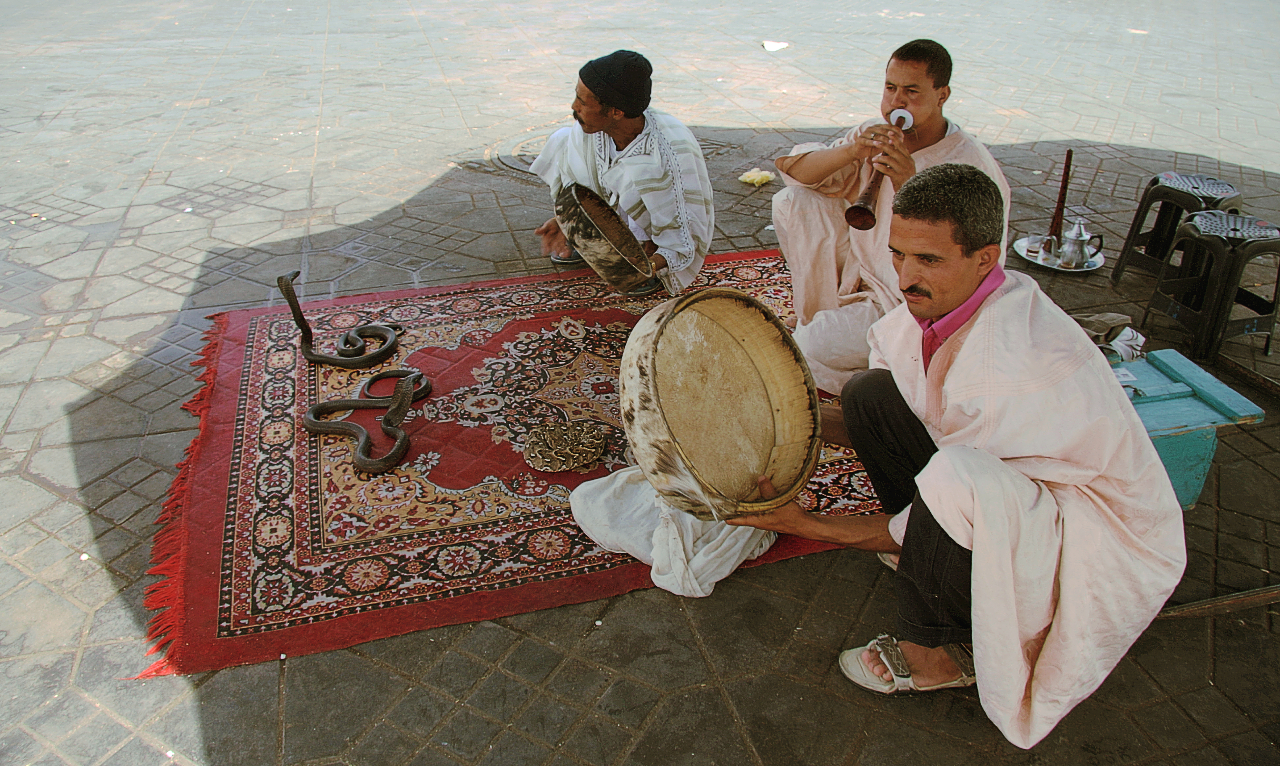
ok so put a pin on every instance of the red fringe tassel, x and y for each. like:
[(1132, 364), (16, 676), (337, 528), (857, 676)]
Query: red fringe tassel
[(169, 545)]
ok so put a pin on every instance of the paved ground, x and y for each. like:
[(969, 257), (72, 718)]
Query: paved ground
[(164, 160)]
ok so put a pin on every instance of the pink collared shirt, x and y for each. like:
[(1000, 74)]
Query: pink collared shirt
[(936, 331)]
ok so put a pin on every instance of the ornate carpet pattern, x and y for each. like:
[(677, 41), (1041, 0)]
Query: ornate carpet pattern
[(273, 544)]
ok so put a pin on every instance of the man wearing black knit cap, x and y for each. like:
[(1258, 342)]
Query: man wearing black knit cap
[(644, 163)]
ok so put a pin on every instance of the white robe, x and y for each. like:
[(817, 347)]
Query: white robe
[(1046, 473), (842, 279), (658, 184)]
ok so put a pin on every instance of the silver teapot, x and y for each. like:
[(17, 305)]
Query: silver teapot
[(1077, 247)]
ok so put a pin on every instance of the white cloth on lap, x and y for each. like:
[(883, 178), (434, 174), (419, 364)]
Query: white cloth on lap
[(622, 513)]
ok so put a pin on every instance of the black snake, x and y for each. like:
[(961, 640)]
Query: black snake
[(411, 387), (351, 344)]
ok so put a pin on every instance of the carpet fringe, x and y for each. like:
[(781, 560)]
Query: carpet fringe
[(169, 544)]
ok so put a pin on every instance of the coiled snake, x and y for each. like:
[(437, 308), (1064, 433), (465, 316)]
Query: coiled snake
[(351, 344), (411, 387), (558, 446)]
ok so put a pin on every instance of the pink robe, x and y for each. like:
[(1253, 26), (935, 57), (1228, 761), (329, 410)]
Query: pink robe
[(842, 279), (1046, 473)]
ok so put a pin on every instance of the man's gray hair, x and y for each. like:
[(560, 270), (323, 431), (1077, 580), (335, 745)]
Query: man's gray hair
[(957, 194)]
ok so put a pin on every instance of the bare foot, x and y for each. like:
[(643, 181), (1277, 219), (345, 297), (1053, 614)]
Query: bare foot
[(929, 667), (791, 322)]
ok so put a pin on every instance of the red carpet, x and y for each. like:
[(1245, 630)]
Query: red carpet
[(272, 545)]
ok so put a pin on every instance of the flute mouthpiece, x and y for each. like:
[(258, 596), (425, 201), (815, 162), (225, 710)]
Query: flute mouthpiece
[(904, 115)]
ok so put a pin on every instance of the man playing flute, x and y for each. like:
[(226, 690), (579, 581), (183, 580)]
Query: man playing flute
[(842, 279)]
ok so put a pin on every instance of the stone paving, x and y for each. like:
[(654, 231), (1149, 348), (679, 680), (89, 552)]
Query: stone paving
[(165, 160)]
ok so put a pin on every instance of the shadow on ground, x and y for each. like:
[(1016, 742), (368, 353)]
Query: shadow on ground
[(744, 676)]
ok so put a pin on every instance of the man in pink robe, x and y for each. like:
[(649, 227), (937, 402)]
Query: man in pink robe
[(842, 279), (1038, 531)]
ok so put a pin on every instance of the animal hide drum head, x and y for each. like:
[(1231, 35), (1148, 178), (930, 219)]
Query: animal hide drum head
[(714, 392), (602, 238)]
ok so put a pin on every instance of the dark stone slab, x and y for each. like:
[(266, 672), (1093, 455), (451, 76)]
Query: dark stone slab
[(533, 661), (421, 711), (1246, 488), (795, 724), (1249, 748), (500, 696), (1208, 756), (413, 653), (692, 727), (455, 674), (597, 741), (798, 578), (1168, 726), (431, 757), (466, 734), (891, 743), (644, 635), (578, 681), (514, 750), (1127, 686), (315, 727), (1174, 653), (1094, 729), (384, 746), (60, 715), (628, 702), (19, 746), (743, 628), (38, 620), (547, 719), (1212, 711)]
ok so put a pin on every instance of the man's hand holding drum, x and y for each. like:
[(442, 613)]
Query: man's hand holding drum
[(868, 533)]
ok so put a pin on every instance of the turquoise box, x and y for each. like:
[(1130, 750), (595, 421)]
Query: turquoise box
[(1182, 406)]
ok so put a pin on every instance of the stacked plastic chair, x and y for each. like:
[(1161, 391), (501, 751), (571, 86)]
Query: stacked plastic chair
[(1202, 290), (1177, 194)]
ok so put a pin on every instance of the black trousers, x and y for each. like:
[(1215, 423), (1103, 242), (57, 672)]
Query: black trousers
[(932, 583)]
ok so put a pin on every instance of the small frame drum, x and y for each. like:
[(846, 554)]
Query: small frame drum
[(714, 393), (602, 238)]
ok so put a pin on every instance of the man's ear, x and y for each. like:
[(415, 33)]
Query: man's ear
[(944, 93), (987, 257)]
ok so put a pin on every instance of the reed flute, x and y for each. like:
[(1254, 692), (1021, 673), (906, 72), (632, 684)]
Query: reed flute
[(861, 215)]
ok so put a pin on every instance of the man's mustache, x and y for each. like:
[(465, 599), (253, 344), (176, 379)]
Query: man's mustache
[(918, 291), (577, 119)]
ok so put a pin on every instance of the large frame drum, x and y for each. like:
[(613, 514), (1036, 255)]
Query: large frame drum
[(602, 238), (714, 393)]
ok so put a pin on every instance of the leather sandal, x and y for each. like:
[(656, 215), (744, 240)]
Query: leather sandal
[(853, 668)]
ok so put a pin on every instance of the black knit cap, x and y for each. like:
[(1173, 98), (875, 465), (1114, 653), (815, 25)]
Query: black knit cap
[(620, 80)]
